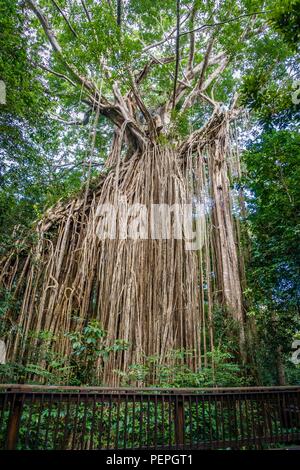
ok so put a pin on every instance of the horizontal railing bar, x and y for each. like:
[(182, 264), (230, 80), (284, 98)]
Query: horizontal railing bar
[(124, 390), (116, 396), (86, 398)]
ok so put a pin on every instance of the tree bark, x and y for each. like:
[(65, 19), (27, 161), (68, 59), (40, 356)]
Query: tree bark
[(280, 367)]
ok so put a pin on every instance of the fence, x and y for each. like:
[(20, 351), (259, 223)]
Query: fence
[(41, 417)]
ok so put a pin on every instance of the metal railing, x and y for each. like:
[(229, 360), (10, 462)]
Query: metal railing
[(41, 417)]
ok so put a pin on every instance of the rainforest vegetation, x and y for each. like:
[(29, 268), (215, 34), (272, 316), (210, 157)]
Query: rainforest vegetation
[(149, 102)]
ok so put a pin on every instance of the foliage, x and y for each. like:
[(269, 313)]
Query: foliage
[(88, 347), (285, 17), (273, 271), (220, 371), (40, 161)]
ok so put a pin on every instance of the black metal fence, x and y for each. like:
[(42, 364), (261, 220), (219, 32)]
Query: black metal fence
[(37, 417)]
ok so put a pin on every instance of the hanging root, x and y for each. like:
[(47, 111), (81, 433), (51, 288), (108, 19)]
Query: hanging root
[(152, 293), (142, 291)]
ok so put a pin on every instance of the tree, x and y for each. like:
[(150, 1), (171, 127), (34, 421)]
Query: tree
[(164, 79), (272, 163)]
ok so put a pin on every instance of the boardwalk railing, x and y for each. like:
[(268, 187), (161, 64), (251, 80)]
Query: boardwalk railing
[(38, 417)]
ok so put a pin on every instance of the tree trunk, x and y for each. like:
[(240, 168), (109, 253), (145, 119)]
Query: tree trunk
[(280, 367)]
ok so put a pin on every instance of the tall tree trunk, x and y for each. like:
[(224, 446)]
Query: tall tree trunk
[(280, 367)]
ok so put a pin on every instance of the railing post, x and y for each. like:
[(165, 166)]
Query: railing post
[(179, 422), (14, 422)]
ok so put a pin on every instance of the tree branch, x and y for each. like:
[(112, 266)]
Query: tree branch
[(119, 12), (205, 61), (192, 39), (45, 25), (64, 17), (168, 37), (182, 87), (87, 14), (144, 72), (127, 117), (57, 74), (112, 112), (177, 52), (57, 48), (75, 122), (214, 74), (220, 23), (140, 103)]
